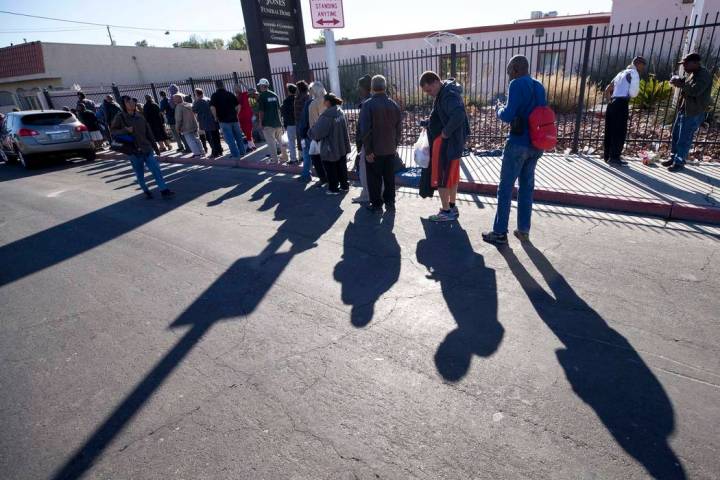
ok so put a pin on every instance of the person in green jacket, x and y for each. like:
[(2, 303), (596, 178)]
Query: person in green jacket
[(695, 97)]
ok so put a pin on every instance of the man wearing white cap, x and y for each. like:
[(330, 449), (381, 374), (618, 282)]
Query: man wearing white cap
[(269, 118)]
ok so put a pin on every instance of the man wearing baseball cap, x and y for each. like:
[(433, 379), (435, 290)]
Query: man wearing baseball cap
[(269, 118), (625, 86), (695, 97)]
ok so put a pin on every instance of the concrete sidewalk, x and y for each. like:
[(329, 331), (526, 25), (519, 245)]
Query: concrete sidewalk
[(573, 180)]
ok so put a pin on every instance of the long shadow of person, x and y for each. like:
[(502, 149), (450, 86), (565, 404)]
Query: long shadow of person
[(470, 292), (604, 369), (370, 264), (235, 294)]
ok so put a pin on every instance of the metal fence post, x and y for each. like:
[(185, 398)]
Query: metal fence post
[(236, 79), (116, 92), (453, 60), (364, 63), (154, 90), (48, 99), (192, 85), (581, 95)]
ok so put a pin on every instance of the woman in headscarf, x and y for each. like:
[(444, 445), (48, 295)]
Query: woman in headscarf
[(157, 123), (316, 108), (331, 129)]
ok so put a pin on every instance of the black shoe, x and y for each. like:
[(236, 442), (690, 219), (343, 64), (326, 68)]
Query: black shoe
[(617, 162), (390, 207), (148, 194), (180, 150), (668, 163), (373, 209), (676, 167), (345, 188), (167, 193), (495, 238)]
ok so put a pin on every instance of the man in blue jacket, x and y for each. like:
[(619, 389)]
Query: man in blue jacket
[(519, 156)]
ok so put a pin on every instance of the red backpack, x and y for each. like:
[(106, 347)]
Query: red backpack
[(542, 127)]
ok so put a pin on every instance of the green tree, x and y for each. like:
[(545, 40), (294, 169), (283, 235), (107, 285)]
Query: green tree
[(141, 43), (320, 39), (196, 42), (238, 42)]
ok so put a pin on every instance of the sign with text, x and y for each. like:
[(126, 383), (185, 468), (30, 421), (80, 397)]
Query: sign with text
[(327, 14), (279, 32), (277, 18)]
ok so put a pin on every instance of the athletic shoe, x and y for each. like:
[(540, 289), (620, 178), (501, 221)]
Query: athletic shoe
[(676, 167), (667, 163), (443, 216), (360, 200), (522, 236), (455, 211), (167, 193), (495, 238), (148, 194)]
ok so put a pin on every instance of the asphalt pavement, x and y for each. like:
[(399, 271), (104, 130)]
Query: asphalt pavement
[(254, 328)]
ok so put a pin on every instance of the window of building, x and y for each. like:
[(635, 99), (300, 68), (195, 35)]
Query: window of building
[(462, 68), (551, 61)]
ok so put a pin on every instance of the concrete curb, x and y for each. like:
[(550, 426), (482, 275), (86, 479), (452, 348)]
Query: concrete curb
[(656, 208)]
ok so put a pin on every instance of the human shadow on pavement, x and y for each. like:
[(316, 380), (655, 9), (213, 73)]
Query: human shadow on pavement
[(370, 263), (234, 295), (470, 292), (56, 244), (603, 368)]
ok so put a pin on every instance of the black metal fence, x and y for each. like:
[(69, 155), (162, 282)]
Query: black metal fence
[(574, 65)]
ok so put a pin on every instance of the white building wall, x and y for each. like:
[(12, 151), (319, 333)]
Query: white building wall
[(100, 65), (640, 11), (281, 59)]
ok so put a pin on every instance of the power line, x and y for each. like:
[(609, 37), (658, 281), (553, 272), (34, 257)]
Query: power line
[(125, 27)]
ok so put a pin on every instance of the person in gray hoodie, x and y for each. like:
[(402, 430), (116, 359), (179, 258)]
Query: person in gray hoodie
[(331, 131), (447, 130)]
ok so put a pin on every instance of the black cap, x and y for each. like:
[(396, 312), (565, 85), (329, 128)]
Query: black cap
[(365, 81), (691, 57), (639, 59)]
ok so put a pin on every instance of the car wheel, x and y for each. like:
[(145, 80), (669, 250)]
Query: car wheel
[(90, 155), (25, 160)]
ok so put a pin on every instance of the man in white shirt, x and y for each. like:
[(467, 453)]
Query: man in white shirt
[(624, 86)]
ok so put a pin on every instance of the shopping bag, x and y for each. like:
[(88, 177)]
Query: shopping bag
[(314, 148), (284, 139), (422, 150)]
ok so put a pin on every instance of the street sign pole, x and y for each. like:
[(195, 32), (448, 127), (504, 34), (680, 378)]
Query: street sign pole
[(331, 60), (326, 16)]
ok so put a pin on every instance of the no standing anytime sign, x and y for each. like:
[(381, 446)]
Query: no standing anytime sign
[(327, 14)]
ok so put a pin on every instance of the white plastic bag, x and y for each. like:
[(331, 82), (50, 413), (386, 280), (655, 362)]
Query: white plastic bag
[(422, 151), (314, 148), (284, 139)]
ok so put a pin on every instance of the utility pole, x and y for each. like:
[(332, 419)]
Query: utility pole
[(110, 35)]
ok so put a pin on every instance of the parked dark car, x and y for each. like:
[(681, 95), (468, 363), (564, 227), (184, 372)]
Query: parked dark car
[(35, 136)]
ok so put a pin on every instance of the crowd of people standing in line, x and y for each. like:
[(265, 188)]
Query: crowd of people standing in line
[(316, 127)]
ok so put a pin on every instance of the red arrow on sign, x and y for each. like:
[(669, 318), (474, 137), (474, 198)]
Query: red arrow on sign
[(334, 21)]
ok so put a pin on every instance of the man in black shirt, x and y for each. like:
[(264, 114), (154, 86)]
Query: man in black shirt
[(288, 117), (224, 105)]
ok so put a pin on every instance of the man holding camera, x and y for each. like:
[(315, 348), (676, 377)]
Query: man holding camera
[(695, 97)]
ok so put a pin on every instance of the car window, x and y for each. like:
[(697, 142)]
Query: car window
[(48, 119)]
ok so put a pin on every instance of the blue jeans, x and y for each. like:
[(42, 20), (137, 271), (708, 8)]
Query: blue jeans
[(682, 136), (234, 138), (307, 161), (138, 163), (518, 163)]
